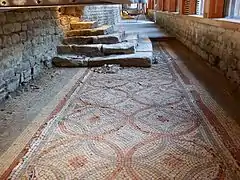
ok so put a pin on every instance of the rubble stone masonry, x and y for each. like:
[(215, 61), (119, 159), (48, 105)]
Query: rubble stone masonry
[(27, 43), (103, 14), (28, 40), (216, 41)]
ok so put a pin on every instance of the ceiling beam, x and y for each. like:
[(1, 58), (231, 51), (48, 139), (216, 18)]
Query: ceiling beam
[(15, 4)]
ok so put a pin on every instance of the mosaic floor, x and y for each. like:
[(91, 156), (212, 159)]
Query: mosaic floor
[(154, 123)]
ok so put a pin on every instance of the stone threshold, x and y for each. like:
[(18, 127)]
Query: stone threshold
[(139, 59), (93, 50)]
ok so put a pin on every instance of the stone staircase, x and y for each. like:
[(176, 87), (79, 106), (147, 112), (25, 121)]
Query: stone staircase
[(88, 45)]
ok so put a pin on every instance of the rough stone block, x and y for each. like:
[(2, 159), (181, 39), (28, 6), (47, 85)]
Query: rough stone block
[(17, 27), (120, 48), (70, 61), (23, 36), (27, 75), (13, 84), (41, 14), (15, 38), (83, 25), (24, 26), (90, 50), (108, 39), (30, 25), (91, 32), (11, 17), (3, 18), (8, 28), (139, 59), (78, 40), (34, 15), (36, 70), (8, 74)]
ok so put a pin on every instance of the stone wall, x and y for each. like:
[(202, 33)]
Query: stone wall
[(27, 43), (104, 14), (216, 41), (28, 39)]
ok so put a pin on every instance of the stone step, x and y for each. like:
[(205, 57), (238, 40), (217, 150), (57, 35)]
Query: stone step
[(90, 50), (83, 25), (101, 39), (70, 61), (103, 30), (120, 48), (144, 44), (80, 40), (139, 59), (93, 50), (132, 37), (109, 39)]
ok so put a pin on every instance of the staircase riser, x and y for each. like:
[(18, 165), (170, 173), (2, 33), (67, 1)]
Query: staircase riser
[(78, 41), (91, 40), (77, 26), (119, 51), (110, 40), (89, 32), (87, 51), (62, 62), (85, 33), (140, 59)]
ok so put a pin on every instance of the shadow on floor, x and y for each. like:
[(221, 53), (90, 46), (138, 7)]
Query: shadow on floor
[(214, 82)]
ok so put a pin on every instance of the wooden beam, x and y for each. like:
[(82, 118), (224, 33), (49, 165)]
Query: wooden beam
[(181, 6), (214, 9), (4, 4), (149, 5), (153, 4), (165, 5), (172, 5), (161, 5)]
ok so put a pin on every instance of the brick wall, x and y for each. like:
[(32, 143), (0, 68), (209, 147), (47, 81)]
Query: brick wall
[(217, 42)]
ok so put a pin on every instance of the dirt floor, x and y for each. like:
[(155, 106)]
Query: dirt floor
[(23, 106)]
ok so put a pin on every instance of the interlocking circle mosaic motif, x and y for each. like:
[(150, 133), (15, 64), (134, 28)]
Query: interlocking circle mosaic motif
[(148, 124)]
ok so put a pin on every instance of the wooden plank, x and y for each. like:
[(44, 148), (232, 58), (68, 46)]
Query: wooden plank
[(9, 4)]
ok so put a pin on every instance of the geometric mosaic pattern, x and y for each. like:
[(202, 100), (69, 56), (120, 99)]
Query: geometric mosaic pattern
[(136, 124)]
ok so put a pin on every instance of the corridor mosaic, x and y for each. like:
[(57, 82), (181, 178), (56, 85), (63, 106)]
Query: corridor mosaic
[(151, 123)]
